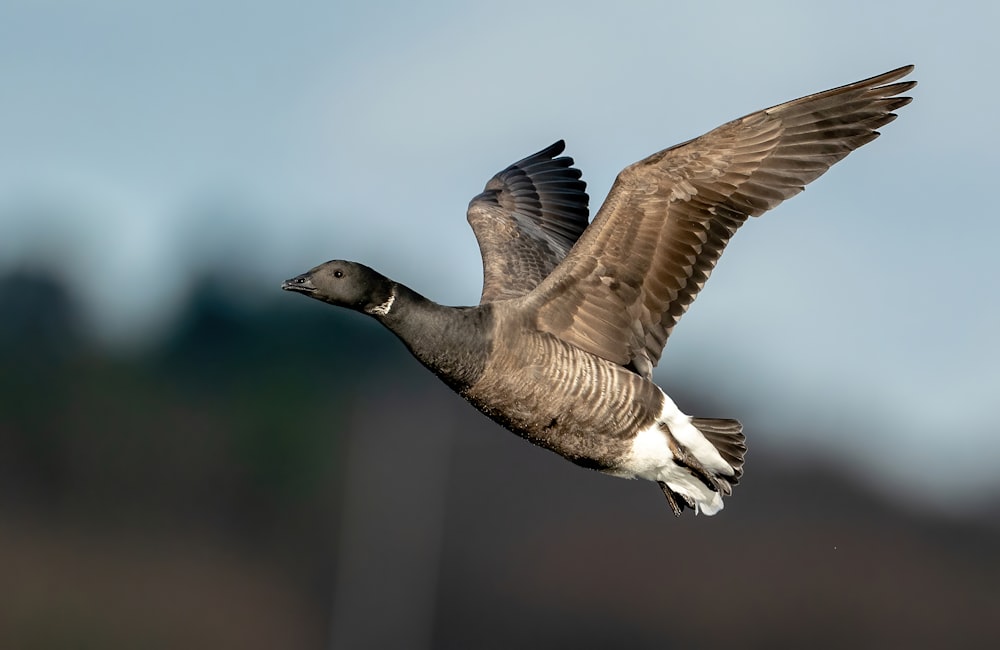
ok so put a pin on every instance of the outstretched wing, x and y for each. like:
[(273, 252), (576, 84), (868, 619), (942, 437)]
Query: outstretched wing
[(666, 221), (526, 220)]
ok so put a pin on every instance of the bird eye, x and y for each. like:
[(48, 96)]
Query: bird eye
[(338, 274)]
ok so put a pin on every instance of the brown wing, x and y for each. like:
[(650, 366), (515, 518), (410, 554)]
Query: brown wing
[(526, 220), (666, 221)]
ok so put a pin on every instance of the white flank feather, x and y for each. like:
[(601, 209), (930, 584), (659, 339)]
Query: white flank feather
[(650, 458)]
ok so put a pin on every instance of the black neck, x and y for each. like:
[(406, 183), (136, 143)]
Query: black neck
[(453, 342)]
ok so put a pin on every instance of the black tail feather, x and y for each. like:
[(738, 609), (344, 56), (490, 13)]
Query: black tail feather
[(728, 439)]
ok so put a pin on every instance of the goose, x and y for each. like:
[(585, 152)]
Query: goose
[(574, 316)]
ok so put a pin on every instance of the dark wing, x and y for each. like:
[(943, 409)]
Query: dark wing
[(526, 220), (656, 239)]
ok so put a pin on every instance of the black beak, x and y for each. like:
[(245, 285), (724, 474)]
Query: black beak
[(299, 284)]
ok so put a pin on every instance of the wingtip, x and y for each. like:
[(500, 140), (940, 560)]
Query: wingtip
[(890, 82), (893, 75)]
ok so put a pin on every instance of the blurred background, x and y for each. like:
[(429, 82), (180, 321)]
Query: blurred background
[(191, 459)]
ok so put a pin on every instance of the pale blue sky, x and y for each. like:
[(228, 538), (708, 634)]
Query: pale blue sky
[(140, 138)]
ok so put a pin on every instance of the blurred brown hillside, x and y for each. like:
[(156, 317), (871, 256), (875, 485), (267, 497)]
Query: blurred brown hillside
[(282, 475)]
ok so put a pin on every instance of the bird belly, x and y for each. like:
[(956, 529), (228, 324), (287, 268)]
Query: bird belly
[(580, 406)]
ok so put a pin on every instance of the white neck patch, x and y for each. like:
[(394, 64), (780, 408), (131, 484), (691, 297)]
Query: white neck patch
[(383, 309)]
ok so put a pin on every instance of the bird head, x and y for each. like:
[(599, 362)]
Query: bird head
[(346, 284)]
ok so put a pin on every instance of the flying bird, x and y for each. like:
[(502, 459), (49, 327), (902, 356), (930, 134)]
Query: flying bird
[(574, 315)]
